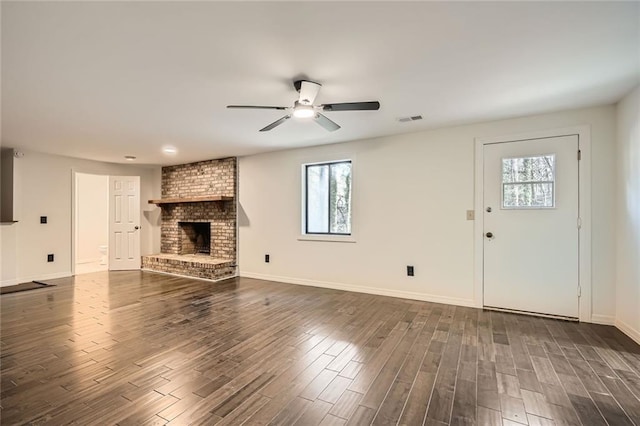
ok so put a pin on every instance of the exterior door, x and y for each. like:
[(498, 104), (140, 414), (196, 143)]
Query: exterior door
[(531, 225), (124, 222)]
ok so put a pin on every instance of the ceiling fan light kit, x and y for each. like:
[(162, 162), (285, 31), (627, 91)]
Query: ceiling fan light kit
[(303, 111), (304, 107)]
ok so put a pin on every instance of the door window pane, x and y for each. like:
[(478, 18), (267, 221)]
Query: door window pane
[(528, 182)]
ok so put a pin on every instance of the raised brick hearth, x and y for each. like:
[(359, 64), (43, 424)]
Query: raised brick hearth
[(198, 266), (184, 223)]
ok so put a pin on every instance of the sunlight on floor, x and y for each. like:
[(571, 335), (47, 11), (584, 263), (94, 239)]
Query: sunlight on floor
[(85, 268)]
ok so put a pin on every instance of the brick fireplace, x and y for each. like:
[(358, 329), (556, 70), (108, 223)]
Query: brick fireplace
[(198, 230)]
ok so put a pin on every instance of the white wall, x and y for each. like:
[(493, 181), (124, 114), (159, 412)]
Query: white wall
[(628, 216), (44, 184), (411, 193), (92, 214)]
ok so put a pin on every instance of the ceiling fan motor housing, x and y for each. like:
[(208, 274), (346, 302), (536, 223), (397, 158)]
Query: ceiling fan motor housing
[(298, 84), (308, 91)]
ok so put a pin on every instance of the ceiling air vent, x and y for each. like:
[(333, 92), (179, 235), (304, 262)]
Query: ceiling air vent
[(411, 118)]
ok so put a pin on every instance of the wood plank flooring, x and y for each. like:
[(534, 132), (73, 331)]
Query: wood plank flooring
[(143, 348)]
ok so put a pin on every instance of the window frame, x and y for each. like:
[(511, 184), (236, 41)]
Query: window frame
[(334, 157), (305, 207), (532, 182)]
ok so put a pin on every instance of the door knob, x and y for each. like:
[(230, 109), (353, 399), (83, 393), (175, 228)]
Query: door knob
[(489, 234), (136, 227)]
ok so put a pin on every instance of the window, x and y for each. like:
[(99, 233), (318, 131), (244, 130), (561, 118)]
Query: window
[(328, 198), (528, 182)]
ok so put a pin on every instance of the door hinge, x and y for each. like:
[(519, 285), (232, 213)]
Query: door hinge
[(579, 291), (579, 223), (579, 155)]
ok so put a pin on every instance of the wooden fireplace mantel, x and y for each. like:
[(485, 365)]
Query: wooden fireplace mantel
[(191, 199)]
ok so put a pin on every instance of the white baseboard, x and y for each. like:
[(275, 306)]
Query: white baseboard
[(7, 283), (362, 289), (603, 319), (187, 276), (21, 280), (628, 330)]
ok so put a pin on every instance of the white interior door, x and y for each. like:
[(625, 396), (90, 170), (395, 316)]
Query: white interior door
[(124, 222), (531, 225)]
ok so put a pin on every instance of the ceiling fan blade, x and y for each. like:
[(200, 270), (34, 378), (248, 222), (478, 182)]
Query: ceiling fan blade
[(275, 123), (308, 92), (326, 123), (255, 107), (352, 106)]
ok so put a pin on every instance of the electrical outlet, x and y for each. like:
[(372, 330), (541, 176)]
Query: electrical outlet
[(43, 219), (266, 258), (471, 214), (50, 258), (409, 271)]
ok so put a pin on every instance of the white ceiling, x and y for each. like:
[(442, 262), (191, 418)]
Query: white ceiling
[(103, 80)]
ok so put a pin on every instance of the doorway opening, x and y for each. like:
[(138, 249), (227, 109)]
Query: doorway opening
[(91, 223)]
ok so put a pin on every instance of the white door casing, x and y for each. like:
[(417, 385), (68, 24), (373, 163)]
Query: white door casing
[(531, 253), (124, 222)]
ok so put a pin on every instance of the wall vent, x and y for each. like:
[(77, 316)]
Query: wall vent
[(411, 118)]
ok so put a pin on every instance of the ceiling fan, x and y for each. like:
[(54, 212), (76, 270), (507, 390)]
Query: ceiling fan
[(304, 107)]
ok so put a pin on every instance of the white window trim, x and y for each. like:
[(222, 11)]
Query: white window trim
[(332, 238), (327, 238), (552, 182)]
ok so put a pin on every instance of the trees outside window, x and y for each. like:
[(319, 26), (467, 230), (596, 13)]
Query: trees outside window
[(528, 182)]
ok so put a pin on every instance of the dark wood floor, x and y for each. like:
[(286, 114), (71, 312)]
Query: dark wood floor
[(142, 348)]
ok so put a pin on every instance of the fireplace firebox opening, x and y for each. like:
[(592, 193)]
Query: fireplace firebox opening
[(196, 237)]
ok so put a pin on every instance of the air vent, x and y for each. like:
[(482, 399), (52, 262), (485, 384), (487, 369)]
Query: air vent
[(411, 118)]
